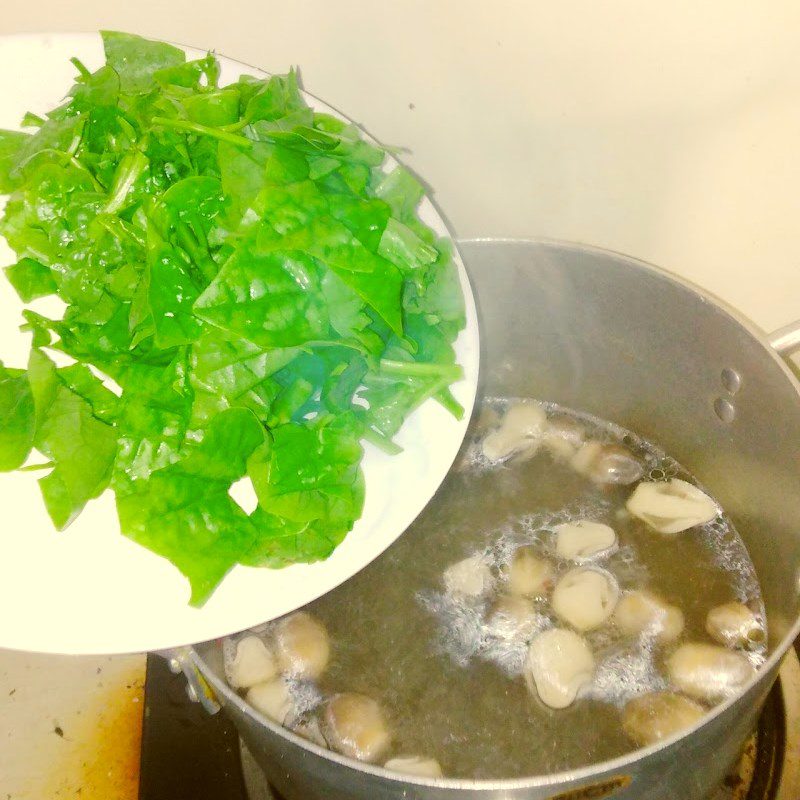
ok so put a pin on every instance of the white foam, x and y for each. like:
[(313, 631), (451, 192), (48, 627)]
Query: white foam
[(626, 672)]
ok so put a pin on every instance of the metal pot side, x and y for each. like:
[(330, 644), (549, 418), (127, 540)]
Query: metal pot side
[(604, 333)]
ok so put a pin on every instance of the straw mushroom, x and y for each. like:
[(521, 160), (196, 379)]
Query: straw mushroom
[(584, 458), (584, 540), (248, 662), (311, 731), (616, 465), (607, 463), (734, 625), (641, 611), (511, 616), (652, 717), (563, 437), (708, 672), (471, 577), (519, 432), (354, 725), (671, 506), (273, 699), (558, 665), (528, 575), (585, 597), (415, 765), (302, 646)]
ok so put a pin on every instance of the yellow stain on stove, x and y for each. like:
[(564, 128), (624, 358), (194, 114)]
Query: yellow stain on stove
[(70, 727)]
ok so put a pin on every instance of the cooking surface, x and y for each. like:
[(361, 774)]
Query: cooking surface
[(70, 728)]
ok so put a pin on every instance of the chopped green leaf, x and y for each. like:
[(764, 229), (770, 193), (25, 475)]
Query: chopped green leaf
[(248, 275), (136, 60), (17, 418), (67, 432), (11, 143), (184, 511), (31, 279)]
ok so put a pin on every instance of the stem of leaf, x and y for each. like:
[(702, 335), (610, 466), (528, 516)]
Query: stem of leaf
[(446, 399), (79, 65), (202, 130), (381, 442), (199, 256), (33, 467), (414, 369), (120, 228), (129, 169)]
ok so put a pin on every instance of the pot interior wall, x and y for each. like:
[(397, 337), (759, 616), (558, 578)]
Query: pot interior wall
[(595, 331)]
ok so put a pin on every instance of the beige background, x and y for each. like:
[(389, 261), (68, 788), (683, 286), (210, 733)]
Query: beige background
[(670, 131), (666, 130)]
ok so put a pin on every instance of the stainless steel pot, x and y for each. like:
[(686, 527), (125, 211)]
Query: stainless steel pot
[(610, 335)]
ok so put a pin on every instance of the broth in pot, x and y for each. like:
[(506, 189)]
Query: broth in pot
[(569, 594)]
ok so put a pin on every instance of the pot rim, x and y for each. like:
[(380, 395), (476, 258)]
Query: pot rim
[(602, 768)]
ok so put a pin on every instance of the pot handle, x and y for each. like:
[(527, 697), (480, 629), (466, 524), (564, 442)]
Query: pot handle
[(197, 688), (786, 340)]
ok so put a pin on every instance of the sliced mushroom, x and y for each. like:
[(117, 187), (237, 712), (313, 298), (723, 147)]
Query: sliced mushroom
[(302, 646), (708, 672), (584, 459), (650, 718), (511, 616), (248, 662), (559, 664), (471, 577), (415, 765), (616, 465), (585, 597), (671, 506), (607, 463), (354, 726), (529, 575), (273, 699), (644, 612), (563, 437), (734, 625), (520, 430), (311, 730), (584, 540)]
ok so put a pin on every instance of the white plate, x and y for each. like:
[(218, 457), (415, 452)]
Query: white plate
[(91, 590)]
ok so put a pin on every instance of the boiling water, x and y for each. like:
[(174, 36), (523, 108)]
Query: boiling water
[(453, 690)]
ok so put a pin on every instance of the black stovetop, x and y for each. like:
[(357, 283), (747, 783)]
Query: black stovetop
[(185, 752)]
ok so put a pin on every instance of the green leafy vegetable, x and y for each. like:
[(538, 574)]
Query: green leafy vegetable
[(17, 418), (81, 447), (259, 288), (184, 511), (31, 279)]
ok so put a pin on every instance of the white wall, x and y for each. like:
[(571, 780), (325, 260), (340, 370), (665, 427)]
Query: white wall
[(670, 131)]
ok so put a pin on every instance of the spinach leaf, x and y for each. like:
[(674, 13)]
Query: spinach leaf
[(17, 418), (248, 274), (31, 279), (10, 144), (136, 60), (184, 511), (81, 447)]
